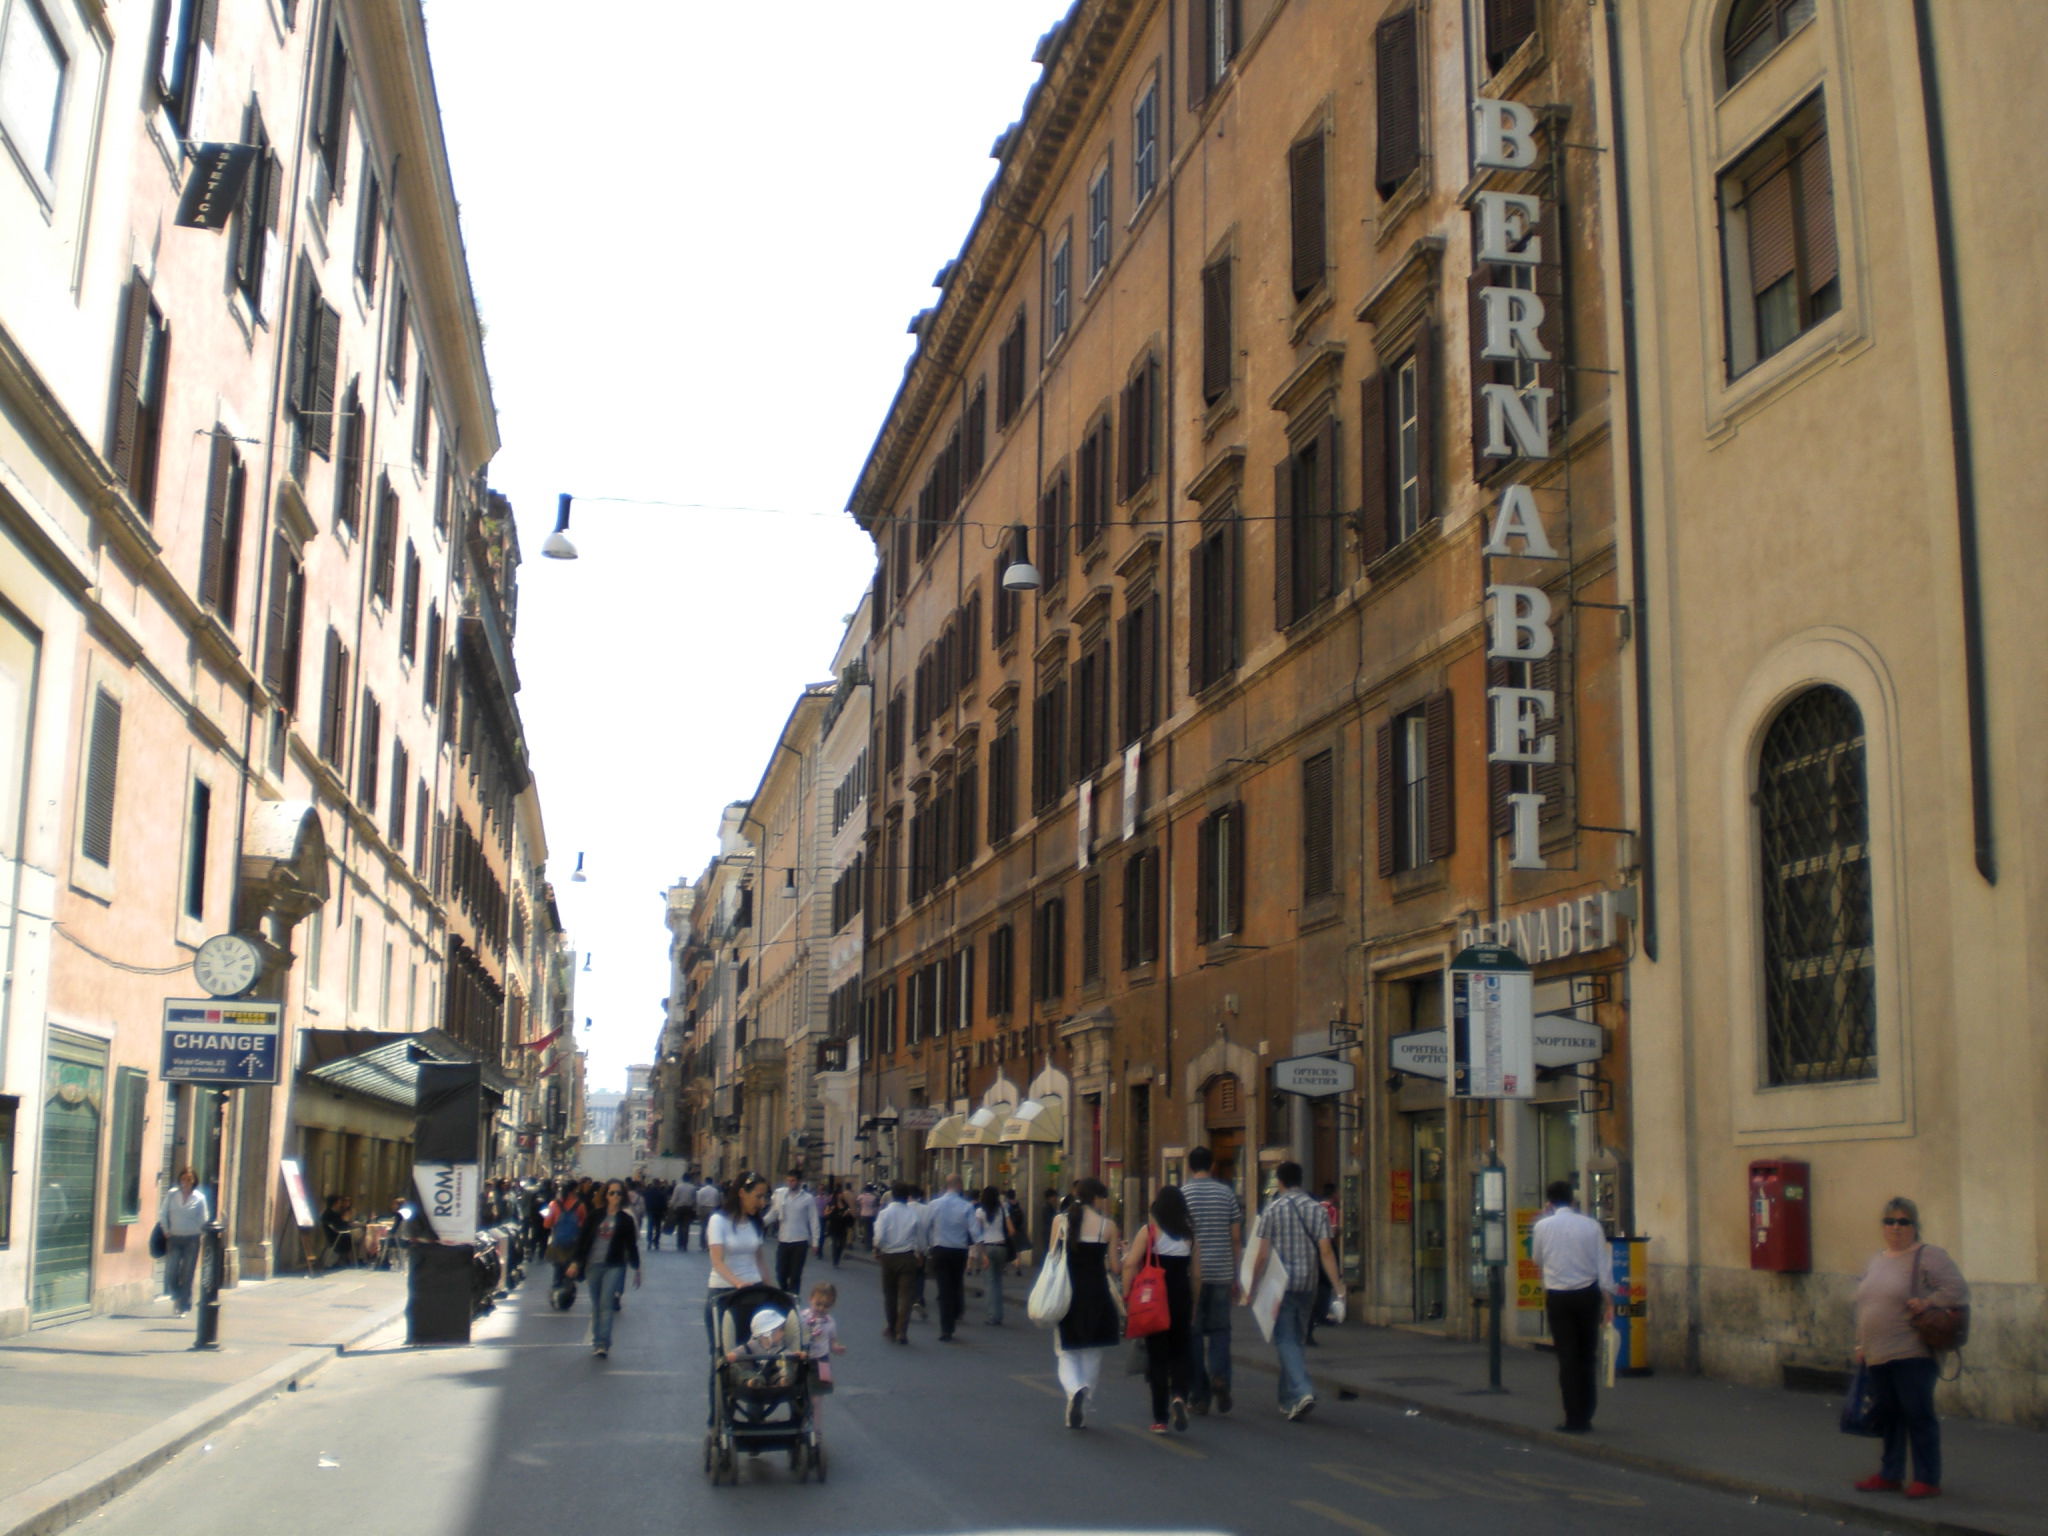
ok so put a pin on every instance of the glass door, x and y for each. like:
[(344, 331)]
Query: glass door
[(74, 1106), (1430, 1143)]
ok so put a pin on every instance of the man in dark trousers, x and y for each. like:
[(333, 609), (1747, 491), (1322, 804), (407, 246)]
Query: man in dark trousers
[(1578, 1297)]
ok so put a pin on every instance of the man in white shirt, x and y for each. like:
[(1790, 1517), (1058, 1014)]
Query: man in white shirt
[(899, 1246), (921, 1209), (1578, 1297), (709, 1198), (795, 1220)]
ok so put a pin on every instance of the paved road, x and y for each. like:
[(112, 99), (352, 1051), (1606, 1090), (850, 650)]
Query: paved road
[(527, 1433)]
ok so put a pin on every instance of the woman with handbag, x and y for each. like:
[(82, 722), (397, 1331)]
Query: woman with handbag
[(1093, 1321), (1167, 1243), (1911, 1303), (183, 1215)]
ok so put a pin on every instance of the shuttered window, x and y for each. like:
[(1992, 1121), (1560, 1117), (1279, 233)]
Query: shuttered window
[(1213, 593), (1002, 782), (422, 420), (102, 774), (1218, 346), (1092, 687), (1754, 30), (1002, 959), (1783, 213), (1049, 951), (1010, 373), (1397, 67), (1509, 24), (1305, 516), (220, 550), (1413, 788), (315, 360), (370, 754), (1397, 425), (430, 685), (352, 449), (401, 335), (401, 781), (1219, 875), (331, 113), (1139, 633), (419, 829), (1140, 429), (184, 27), (1319, 826), (253, 237), (1141, 908), (974, 436), (141, 368), (1054, 509), (284, 625), (1051, 768), (1008, 604), (334, 692), (409, 606), (1306, 223), (369, 234), (1092, 467), (1213, 28), (1145, 145), (1091, 930), (384, 545)]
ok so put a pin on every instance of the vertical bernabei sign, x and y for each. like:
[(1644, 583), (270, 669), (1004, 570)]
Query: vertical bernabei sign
[(1491, 1023)]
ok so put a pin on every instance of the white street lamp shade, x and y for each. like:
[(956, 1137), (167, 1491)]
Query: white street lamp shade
[(1022, 577), (558, 547)]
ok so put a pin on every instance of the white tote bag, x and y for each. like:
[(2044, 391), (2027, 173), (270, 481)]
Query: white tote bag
[(1053, 1292)]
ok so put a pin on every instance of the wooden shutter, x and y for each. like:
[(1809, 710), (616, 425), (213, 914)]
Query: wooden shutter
[(1201, 48), (102, 772), (1500, 777), (1509, 24), (1425, 422), (1323, 530), (1318, 825), (1484, 275), (1376, 535), (303, 334), (1233, 893), (1772, 247), (1216, 338), (276, 615), (209, 20), (326, 361), (334, 688), (129, 382), (1442, 803), (248, 250), (1549, 275), (1817, 211), (1207, 904), (1398, 73), (1091, 929), (1305, 189), (213, 547), (1284, 537), (1547, 779)]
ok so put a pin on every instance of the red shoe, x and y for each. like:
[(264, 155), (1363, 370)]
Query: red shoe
[(1922, 1491), (1879, 1484)]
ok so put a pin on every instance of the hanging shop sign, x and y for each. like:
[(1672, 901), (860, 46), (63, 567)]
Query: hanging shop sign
[(1490, 1007), (1509, 323), (1420, 1053), (1314, 1077), (222, 1044), (213, 188), (1560, 1041), (920, 1119)]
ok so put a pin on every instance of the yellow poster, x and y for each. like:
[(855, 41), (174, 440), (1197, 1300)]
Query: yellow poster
[(1528, 1273)]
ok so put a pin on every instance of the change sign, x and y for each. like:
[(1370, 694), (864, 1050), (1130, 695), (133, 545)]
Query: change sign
[(220, 1044)]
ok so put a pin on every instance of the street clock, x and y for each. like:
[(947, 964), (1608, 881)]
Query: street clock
[(227, 965)]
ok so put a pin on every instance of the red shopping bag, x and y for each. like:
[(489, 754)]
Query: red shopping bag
[(1145, 1307)]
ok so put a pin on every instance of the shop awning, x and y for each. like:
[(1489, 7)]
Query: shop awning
[(945, 1134), (984, 1128), (1035, 1120)]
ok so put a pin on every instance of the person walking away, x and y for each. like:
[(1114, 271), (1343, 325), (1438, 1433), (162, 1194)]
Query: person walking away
[(921, 1209), (1020, 1233), (1095, 1320), (796, 1229), (1169, 1237), (899, 1246), (952, 1234), (1320, 1312), (564, 1218), (821, 1334), (608, 1247), (1218, 1219), (1296, 1231), (1578, 1298), (1048, 1213), (183, 1214), (992, 1233), (1900, 1283), (839, 1224), (655, 1198), (710, 1198), (823, 1200), (869, 1205)]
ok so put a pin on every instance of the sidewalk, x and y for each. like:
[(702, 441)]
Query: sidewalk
[(89, 1408), (1773, 1445)]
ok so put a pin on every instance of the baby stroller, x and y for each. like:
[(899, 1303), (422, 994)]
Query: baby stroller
[(760, 1403)]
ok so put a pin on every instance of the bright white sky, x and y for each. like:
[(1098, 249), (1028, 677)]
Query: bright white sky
[(697, 232)]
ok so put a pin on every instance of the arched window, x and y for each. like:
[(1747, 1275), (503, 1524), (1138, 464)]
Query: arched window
[(1755, 28), (1819, 964)]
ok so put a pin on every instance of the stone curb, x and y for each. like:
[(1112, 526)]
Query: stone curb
[(1890, 1515), (69, 1496)]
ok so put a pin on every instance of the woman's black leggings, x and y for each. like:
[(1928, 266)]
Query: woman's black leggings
[(1166, 1354)]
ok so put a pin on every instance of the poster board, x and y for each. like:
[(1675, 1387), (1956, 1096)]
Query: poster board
[(295, 1187), (1265, 1301)]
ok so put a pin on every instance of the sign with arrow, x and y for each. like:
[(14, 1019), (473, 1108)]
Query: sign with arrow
[(221, 1044)]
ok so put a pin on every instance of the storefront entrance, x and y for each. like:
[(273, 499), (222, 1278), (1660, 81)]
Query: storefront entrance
[(1429, 1143), (74, 1107)]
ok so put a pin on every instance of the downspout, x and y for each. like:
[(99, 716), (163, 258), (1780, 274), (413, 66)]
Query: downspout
[(1959, 434), (1168, 500)]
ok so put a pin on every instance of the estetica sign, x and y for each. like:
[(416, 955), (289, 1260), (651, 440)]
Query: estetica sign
[(1517, 419)]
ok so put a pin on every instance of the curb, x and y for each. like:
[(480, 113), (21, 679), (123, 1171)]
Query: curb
[(66, 1497), (1889, 1516)]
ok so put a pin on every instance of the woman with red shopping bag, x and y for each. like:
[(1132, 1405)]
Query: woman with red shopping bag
[(1160, 1303)]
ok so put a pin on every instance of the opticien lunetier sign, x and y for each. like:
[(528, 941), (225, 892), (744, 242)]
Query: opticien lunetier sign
[(1518, 426)]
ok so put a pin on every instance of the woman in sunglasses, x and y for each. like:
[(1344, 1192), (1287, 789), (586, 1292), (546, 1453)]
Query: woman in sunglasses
[(733, 1238), (1899, 1284), (610, 1242)]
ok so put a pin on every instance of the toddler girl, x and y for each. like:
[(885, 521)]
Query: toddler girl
[(822, 1333)]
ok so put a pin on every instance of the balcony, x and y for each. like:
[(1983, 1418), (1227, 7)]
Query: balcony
[(762, 1062)]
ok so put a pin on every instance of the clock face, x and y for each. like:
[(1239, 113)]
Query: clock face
[(226, 965)]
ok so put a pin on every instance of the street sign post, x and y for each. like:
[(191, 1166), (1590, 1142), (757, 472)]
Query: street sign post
[(221, 1044), (1491, 1003)]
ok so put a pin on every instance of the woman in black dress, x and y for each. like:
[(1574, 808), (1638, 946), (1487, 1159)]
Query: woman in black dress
[(1095, 1318), (1169, 1238)]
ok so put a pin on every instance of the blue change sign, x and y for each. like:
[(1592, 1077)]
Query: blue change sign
[(221, 1044)]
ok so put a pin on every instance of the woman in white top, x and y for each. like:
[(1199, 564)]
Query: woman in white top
[(1170, 1238), (733, 1237), (991, 1232)]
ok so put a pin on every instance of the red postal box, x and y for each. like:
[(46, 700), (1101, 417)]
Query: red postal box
[(1780, 1234)]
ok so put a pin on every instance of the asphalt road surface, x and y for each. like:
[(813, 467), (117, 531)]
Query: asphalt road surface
[(525, 1432)]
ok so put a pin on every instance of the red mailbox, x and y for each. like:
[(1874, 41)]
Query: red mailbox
[(1780, 1235)]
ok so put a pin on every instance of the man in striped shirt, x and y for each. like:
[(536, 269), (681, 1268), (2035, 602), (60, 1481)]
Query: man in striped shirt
[(1219, 1235)]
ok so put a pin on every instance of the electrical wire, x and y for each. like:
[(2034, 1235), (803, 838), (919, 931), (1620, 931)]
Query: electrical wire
[(120, 965)]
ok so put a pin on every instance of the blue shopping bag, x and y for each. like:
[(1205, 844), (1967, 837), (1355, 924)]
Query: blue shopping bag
[(1860, 1412)]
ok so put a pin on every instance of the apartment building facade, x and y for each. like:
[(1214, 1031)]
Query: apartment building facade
[(1288, 372), (242, 434)]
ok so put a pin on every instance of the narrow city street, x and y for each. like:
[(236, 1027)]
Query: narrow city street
[(526, 1432)]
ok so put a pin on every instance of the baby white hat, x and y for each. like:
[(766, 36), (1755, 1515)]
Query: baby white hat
[(767, 1320)]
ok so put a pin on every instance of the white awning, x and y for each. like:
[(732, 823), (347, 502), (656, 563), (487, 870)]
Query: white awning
[(945, 1134), (1036, 1120), (984, 1128)]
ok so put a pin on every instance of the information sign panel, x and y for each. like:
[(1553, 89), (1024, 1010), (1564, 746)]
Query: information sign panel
[(1492, 1024), (221, 1044)]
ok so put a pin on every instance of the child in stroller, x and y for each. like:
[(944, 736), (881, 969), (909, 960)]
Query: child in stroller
[(761, 1384)]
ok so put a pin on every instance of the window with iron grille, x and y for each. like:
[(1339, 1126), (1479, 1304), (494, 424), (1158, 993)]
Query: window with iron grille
[(1819, 954)]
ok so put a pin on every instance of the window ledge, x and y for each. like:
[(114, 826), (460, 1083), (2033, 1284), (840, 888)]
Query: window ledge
[(1410, 552), (1404, 200), (1319, 912), (1215, 416), (1421, 881), (1318, 302)]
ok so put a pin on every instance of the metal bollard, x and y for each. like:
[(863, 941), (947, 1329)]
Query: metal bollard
[(207, 1335)]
